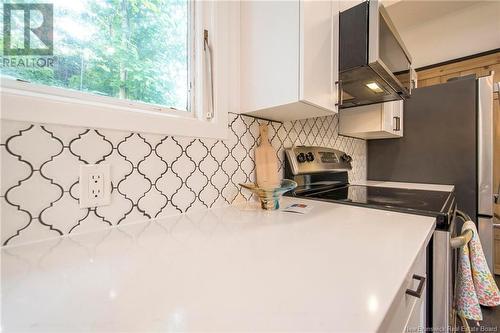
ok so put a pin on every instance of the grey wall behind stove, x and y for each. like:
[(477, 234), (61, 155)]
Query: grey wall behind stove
[(152, 175)]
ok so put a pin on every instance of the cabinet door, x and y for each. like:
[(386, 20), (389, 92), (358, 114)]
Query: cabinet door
[(269, 54), (336, 52), (416, 322), (397, 118), (393, 118), (407, 311), (318, 55)]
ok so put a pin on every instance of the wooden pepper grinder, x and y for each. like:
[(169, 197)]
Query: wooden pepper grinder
[(266, 162)]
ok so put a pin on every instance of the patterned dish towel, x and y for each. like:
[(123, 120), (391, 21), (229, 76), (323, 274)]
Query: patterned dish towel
[(475, 283)]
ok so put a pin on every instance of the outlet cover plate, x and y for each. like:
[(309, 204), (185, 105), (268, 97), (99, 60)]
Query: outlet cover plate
[(89, 172)]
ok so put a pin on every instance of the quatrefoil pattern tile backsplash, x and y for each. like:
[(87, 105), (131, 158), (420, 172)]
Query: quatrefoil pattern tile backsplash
[(152, 175)]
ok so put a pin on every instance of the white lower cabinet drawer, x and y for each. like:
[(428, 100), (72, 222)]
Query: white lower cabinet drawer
[(407, 312)]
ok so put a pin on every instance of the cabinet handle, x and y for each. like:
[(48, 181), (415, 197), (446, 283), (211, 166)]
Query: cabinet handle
[(397, 123), (340, 93), (208, 50), (417, 293)]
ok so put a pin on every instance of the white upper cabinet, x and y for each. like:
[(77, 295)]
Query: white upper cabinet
[(376, 121), (289, 58)]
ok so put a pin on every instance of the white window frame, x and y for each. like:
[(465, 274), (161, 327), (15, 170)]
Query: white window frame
[(23, 101)]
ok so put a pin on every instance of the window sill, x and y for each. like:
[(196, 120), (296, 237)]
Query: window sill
[(31, 105)]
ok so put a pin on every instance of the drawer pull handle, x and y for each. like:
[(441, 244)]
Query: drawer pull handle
[(417, 293)]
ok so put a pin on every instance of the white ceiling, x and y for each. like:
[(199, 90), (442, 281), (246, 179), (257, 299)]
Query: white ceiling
[(437, 31), (407, 13)]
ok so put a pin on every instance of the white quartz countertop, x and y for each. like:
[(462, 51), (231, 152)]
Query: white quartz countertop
[(337, 268), (415, 186)]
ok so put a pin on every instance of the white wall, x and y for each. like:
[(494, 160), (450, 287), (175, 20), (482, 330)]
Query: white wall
[(454, 34)]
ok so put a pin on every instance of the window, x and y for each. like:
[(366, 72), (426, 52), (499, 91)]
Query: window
[(136, 50), (99, 70)]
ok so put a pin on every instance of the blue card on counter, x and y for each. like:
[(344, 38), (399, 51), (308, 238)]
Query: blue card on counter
[(299, 208)]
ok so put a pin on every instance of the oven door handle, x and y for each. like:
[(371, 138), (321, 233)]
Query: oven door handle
[(417, 293), (466, 236), (462, 240)]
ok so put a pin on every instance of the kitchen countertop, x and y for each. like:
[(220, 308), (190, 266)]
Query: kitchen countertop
[(415, 186), (237, 268)]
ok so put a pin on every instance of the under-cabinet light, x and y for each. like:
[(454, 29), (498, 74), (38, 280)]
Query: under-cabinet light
[(374, 87)]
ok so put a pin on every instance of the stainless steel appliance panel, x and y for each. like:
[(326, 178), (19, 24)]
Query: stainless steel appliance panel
[(310, 160), (387, 53), (374, 64), (485, 228), (485, 146), (439, 145), (442, 280)]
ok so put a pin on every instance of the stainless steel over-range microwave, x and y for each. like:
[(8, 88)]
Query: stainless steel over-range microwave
[(374, 64)]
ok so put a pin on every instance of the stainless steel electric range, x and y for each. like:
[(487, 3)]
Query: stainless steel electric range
[(321, 174)]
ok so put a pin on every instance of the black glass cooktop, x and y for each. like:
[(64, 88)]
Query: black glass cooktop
[(421, 202)]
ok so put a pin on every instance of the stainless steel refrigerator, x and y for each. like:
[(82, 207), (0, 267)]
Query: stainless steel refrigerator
[(448, 139)]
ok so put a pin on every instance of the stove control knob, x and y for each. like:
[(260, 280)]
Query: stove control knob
[(346, 158), (301, 158), (309, 157)]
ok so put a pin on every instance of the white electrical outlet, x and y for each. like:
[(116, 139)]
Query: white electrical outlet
[(95, 185)]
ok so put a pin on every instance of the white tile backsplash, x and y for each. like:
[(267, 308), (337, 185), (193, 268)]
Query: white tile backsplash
[(152, 175)]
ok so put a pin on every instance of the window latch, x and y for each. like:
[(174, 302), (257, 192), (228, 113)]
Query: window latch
[(208, 52)]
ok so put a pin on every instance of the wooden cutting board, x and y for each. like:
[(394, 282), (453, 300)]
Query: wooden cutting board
[(266, 162)]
